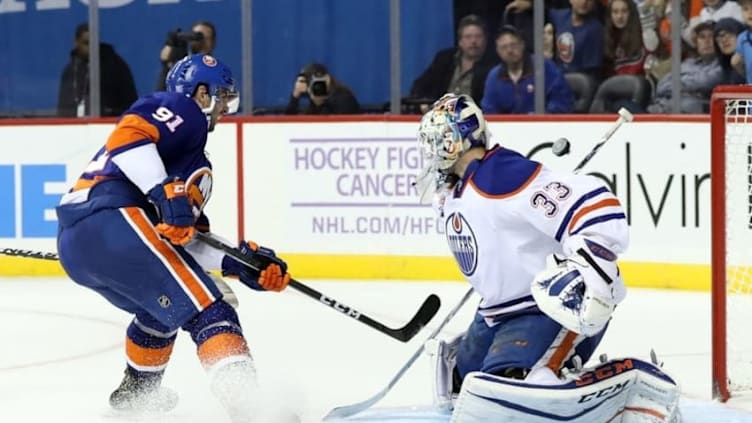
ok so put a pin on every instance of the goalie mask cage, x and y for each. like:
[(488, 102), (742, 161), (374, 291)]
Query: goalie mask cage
[(731, 238)]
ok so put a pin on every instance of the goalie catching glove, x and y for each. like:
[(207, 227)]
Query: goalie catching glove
[(271, 274), (580, 291)]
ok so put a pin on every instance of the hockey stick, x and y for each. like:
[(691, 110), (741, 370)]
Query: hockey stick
[(352, 409), (561, 146), (15, 252), (624, 116), (425, 313)]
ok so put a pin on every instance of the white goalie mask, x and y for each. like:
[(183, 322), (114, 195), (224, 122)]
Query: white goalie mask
[(452, 126)]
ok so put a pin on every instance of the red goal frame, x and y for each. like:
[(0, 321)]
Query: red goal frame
[(718, 122)]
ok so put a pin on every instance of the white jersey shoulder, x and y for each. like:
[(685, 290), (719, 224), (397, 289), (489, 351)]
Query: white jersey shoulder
[(509, 213)]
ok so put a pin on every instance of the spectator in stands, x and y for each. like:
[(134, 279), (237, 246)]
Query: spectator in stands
[(742, 59), (496, 13), (117, 88), (510, 86), (699, 74), (326, 95), (549, 47), (625, 49), (726, 32), (519, 14), (579, 38), (715, 10), (658, 64), (201, 39), (460, 70), (650, 12)]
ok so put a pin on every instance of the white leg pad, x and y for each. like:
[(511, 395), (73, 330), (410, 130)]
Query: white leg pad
[(443, 357), (620, 391)]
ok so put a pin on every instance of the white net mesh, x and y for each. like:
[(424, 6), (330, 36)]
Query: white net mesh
[(738, 180)]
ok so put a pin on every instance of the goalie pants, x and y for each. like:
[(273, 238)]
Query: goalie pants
[(525, 340), (118, 253)]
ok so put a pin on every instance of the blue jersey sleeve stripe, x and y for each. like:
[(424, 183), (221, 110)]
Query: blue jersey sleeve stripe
[(573, 209), (600, 219)]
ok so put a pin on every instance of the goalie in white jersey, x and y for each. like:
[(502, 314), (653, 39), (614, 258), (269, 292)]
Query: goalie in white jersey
[(540, 248)]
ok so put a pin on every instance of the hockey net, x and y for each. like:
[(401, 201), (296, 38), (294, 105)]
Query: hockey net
[(731, 181)]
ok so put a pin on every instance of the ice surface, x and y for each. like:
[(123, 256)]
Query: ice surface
[(62, 351)]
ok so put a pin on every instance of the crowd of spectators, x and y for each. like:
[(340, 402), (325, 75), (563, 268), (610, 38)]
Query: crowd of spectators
[(599, 55)]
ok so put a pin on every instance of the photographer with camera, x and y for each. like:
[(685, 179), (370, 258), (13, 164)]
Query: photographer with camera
[(326, 95), (201, 39)]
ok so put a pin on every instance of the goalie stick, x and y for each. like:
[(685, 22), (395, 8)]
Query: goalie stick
[(427, 310), (425, 313), (561, 147), (352, 409)]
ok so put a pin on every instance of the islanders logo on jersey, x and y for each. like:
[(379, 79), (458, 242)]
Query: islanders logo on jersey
[(199, 186), (565, 47), (209, 61), (462, 242)]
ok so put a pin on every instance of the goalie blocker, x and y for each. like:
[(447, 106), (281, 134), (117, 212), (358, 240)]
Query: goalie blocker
[(627, 391)]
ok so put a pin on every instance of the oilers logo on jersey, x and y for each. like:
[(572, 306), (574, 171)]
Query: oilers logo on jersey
[(462, 243)]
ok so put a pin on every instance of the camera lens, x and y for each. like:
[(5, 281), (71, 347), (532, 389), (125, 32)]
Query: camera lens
[(318, 88)]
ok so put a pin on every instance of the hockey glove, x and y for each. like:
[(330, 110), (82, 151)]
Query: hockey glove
[(175, 210), (272, 274), (581, 291)]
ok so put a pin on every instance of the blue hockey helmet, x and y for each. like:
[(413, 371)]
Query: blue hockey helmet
[(197, 69)]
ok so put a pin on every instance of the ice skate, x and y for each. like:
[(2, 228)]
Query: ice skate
[(142, 394)]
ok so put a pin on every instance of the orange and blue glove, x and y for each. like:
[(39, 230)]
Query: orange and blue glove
[(175, 210), (272, 274)]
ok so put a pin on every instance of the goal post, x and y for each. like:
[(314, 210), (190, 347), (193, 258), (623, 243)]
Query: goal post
[(731, 239)]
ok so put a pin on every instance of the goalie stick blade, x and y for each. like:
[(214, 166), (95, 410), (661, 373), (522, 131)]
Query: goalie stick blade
[(352, 409), (346, 411), (427, 310)]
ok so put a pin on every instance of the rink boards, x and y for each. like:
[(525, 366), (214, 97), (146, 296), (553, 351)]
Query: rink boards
[(334, 197)]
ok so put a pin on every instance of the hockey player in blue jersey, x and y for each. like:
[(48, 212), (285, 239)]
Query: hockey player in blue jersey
[(126, 231), (540, 248)]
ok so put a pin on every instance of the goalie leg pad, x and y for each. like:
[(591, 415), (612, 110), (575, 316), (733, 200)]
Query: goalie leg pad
[(620, 391), (443, 356)]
